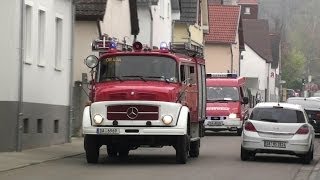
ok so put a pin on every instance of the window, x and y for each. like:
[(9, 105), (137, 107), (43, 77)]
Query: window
[(28, 34), (58, 43), (277, 115), (182, 73), (247, 10), (188, 74), (222, 93), (26, 125), (145, 68), (41, 37), (162, 8), (39, 125), (56, 126), (168, 10)]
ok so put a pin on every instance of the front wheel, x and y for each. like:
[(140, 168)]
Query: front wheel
[(181, 149), (194, 149), (91, 146)]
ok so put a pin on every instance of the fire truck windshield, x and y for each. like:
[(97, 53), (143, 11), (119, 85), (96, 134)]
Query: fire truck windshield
[(146, 68), (222, 94)]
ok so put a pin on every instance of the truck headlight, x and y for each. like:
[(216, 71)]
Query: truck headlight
[(232, 116), (98, 119), (91, 61), (167, 119)]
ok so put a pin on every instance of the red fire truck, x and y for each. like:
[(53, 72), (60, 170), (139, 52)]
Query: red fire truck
[(144, 97), (227, 102)]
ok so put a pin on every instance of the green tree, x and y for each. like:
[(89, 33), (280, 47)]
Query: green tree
[(293, 68)]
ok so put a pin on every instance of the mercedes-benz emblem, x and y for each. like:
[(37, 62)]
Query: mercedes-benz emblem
[(132, 112)]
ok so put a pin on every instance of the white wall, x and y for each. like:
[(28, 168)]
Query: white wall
[(49, 84), (116, 22), (9, 59), (145, 25), (162, 23), (253, 66)]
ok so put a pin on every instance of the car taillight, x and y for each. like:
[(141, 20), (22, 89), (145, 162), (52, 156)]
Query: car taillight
[(303, 130), (249, 127)]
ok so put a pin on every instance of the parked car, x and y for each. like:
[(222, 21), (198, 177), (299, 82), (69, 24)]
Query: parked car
[(278, 128), (312, 108)]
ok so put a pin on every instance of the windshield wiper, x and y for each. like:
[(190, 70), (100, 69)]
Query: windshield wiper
[(141, 77), (269, 120), (158, 77), (221, 100), (113, 77)]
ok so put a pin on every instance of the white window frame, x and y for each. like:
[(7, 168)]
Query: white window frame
[(28, 29), (162, 9), (42, 36), (58, 42)]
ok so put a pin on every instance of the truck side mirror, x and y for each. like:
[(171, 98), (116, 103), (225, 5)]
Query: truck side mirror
[(245, 100)]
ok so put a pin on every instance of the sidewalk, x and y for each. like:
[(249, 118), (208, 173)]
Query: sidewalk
[(14, 160)]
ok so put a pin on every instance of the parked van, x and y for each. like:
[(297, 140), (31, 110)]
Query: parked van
[(227, 102)]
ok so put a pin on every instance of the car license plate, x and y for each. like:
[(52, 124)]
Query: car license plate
[(276, 144), (215, 123), (108, 131)]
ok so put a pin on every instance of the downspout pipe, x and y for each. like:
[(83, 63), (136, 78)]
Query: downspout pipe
[(71, 116), (20, 85), (231, 66), (151, 25)]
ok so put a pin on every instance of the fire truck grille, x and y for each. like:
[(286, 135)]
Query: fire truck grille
[(132, 112)]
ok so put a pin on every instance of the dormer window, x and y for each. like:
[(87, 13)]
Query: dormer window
[(247, 10)]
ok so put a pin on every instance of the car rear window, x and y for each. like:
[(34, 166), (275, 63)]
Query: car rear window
[(277, 115)]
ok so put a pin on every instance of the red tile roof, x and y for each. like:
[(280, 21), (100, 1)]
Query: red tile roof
[(247, 1), (223, 22)]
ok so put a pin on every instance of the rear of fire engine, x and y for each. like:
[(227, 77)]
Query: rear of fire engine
[(139, 98)]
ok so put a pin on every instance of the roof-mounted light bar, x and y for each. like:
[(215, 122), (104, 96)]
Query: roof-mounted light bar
[(222, 75)]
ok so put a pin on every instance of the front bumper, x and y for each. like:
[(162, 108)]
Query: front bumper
[(227, 124), (134, 130), (295, 145)]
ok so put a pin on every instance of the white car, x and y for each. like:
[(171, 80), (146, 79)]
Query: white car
[(278, 128)]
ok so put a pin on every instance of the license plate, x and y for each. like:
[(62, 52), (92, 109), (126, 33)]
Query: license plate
[(276, 144), (108, 131), (215, 123)]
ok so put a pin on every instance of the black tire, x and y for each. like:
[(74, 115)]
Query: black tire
[(194, 149), (91, 146), (245, 154), (182, 149), (239, 131), (307, 158), (112, 151)]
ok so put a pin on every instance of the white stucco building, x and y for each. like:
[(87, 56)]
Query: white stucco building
[(155, 20), (35, 65), (256, 59)]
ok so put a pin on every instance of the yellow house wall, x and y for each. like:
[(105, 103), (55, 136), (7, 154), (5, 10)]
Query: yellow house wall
[(196, 34), (218, 58), (180, 33)]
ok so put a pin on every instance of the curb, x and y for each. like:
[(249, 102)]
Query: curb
[(39, 162), (315, 175)]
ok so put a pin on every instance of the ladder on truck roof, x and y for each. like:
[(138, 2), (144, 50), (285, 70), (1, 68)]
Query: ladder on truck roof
[(187, 49)]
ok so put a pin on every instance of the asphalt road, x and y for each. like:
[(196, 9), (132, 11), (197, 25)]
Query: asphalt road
[(219, 160)]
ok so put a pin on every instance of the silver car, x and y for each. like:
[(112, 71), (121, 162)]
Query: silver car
[(278, 128)]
